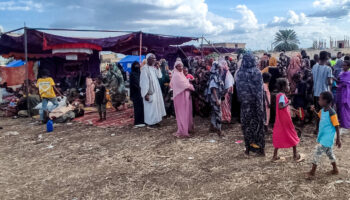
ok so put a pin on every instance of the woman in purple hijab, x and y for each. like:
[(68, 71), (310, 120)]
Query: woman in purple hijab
[(343, 96)]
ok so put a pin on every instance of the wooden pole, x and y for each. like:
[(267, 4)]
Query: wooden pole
[(140, 52), (202, 47), (26, 68)]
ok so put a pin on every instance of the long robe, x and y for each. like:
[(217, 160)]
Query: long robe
[(182, 102), (90, 93), (135, 95), (183, 110), (226, 104), (294, 67), (154, 109), (343, 100), (267, 100), (249, 83)]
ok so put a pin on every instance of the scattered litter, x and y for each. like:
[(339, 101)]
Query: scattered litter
[(113, 134), (239, 141), (75, 198), (69, 123), (190, 158), (212, 141), (40, 136), (339, 181), (11, 133), (49, 146)]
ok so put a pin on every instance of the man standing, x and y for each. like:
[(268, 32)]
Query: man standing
[(338, 67), (154, 109), (47, 91), (322, 77)]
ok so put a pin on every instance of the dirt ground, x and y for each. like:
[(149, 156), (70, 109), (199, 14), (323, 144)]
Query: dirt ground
[(84, 162)]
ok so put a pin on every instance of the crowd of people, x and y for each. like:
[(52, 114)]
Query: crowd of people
[(67, 98), (263, 94), (259, 93)]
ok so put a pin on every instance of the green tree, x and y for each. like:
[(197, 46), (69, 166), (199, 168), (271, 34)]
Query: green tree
[(286, 40)]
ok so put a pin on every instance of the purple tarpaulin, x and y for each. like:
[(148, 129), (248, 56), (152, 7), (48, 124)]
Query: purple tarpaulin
[(119, 44)]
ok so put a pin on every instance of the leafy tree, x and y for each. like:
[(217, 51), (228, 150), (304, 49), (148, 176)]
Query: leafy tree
[(286, 40)]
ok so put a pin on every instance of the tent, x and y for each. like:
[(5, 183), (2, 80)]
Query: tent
[(127, 61), (41, 44), (44, 46), (16, 63), (14, 74)]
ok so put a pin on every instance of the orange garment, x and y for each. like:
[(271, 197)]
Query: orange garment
[(273, 62), (109, 99)]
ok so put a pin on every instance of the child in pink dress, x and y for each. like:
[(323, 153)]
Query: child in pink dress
[(284, 133)]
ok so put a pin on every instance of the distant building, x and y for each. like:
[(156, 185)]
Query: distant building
[(342, 44), (227, 45)]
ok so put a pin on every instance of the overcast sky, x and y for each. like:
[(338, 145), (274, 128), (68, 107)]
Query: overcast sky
[(252, 21)]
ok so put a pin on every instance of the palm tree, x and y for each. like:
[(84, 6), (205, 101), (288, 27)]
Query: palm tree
[(286, 40)]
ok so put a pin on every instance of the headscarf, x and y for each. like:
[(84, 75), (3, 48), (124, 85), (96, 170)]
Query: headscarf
[(264, 62), (215, 81), (148, 55), (294, 67), (135, 80), (163, 68), (295, 63), (227, 76), (179, 82), (249, 81), (144, 62), (273, 62)]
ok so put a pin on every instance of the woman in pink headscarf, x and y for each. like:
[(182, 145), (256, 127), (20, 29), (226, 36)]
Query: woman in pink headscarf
[(182, 101), (294, 67)]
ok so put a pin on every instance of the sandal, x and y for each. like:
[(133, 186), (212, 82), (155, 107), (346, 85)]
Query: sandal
[(301, 158), (255, 146), (279, 160)]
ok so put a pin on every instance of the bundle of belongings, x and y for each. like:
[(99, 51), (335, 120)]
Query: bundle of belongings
[(65, 112)]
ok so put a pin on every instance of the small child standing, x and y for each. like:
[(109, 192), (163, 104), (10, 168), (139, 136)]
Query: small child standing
[(284, 133), (328, 126), (300, 97), (267, 99), (100, 99), (187, 75)]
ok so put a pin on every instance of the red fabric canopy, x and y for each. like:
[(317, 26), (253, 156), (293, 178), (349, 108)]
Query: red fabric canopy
[(16, 75)]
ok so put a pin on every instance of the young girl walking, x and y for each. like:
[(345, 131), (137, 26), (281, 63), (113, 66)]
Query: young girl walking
[(284, 133)]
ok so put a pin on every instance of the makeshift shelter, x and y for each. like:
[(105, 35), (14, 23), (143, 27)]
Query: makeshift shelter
[(127, 61), (14, 73), (80, 53)]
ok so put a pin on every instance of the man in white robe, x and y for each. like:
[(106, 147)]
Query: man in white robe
[(153, 103)]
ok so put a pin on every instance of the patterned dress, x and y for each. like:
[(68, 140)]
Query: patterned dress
[(215, 83), (249, 84)]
